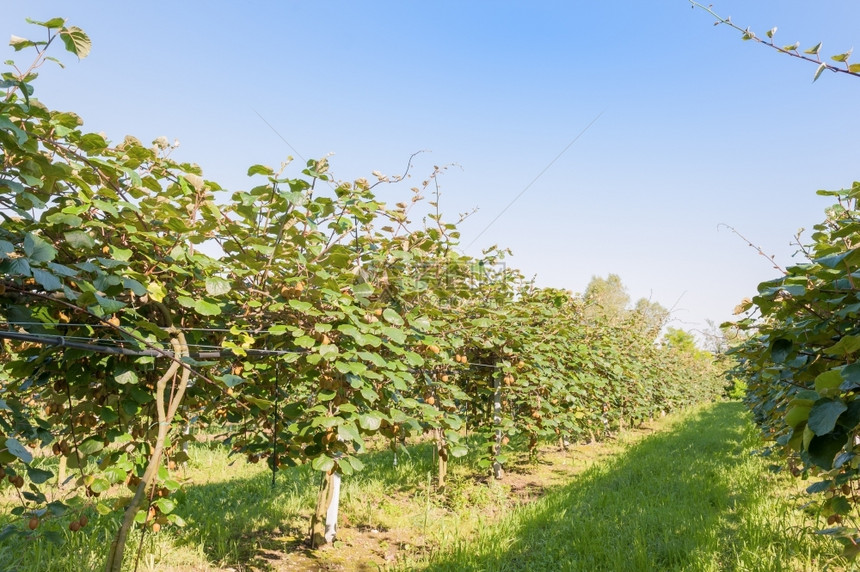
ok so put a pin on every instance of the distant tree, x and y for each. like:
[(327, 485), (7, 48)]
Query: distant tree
[(682, 341), (606, 297), (651, 315)]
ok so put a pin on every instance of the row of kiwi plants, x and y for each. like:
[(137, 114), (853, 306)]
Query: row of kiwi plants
[(139, 297)]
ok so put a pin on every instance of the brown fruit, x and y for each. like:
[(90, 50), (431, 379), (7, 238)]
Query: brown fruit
[(377, 312), (506, 440), (430, 400), (433, 349), (299, 287), (445, 378), (156, 527), (846, 490), (74, 526), (83, 520), (34, 523), (2, 473), (325, 340), (105, 249), (113, 321)]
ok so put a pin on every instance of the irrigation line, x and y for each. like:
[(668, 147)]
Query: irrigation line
[(61, 341), (216, 353)]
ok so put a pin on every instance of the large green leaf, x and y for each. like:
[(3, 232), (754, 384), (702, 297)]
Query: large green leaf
[(823, 416), (216, 286), (17, 449), (76, 41), (323, 463), (846, 345), (38, 249), (823, 449), (780, 350), (206, 308)]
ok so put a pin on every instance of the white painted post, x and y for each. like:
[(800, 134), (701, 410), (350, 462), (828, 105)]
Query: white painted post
[(331, 514)]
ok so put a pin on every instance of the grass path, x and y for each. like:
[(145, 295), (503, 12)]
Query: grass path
[(691, 498)]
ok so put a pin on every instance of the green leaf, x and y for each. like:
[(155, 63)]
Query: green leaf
[(47, 280), (850, 377), (217, 286), (771, 32), (819, 487), (459, 451), (349, 432), (15, 267), (260, 170), (91, 445), (109, 305), (842, 57), (792, 48), (823, 449), (165, 505), (830, 379), (76, 41), (100, 485), (230, 380), (395, 335), (300, 305), (413, 359), (128, 376), (20, 43), (79, 239), (323, 463), (328, 351), (813, 50), (50, 24), (20, 134), (17, 449), (818, 72), (369, 422), (823, 416), (38, 249), (797, 415), (392, 317), (846, 345), (780, 350), (261, 403), (205, 308)]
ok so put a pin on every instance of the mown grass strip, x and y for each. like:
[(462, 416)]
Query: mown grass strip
[(692, 498)]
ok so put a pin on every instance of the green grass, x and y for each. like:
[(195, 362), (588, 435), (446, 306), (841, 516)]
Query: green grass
[(691, 498)]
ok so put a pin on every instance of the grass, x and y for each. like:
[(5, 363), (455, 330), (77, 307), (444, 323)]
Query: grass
[(690, 496)]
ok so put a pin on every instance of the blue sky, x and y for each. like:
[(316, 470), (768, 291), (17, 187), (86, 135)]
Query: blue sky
[(698, 128)]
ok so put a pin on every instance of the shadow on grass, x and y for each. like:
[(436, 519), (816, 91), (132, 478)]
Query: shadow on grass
[(663, 504), (247, 521)]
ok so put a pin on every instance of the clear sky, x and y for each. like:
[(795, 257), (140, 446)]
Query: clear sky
[(697, 128)]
